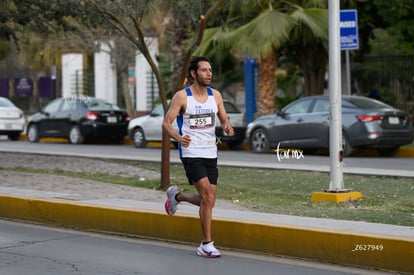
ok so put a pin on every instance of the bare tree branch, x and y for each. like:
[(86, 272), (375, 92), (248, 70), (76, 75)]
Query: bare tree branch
[(198, 38)]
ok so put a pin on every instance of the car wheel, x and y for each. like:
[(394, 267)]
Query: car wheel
[(75, 135), (346, 146), (388, 152), (139, 138), (259, 141), (14, 137), (33, 133)]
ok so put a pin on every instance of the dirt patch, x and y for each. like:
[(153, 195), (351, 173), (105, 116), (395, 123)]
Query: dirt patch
[(80, 188)]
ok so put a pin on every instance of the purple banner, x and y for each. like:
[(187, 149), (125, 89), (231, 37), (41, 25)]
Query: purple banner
[(45, 86), (4, 87), (23, 87)]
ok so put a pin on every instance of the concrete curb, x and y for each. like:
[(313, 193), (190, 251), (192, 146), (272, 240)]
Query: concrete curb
[(332, 246)]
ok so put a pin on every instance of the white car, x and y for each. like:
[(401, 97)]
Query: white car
[(12, 119), (148, 127)]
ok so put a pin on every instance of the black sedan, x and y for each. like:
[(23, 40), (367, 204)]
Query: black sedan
[(78, 118), (304, 124)]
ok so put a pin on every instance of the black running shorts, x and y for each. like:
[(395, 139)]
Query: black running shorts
[(198, 168)]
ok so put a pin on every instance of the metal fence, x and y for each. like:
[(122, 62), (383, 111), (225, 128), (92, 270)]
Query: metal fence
[(395, 76)]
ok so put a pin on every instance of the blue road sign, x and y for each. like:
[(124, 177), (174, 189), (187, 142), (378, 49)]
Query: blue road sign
[(349, 30)]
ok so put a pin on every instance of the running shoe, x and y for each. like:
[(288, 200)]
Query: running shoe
[(171, 203), (208, 250)]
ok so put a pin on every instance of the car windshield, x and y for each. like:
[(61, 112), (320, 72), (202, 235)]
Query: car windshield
[(158, 110), (5, 103), (366, 103), (100, 105)]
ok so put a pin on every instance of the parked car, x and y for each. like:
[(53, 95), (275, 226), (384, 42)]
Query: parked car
[(77, 119), (237, 120), (12, 119), (304, 124), (149, 127)]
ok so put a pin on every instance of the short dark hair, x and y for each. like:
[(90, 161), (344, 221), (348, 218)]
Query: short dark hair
[(193, 66)]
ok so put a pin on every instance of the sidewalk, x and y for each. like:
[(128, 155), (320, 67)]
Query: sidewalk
[(378, 246)]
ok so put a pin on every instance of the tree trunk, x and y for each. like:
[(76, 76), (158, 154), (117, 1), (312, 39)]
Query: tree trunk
[(313, 62), (266, 85), (123, 76), (179, 41), (181, 57)]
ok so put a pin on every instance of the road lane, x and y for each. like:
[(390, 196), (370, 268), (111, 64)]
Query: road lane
[(38, 250), (402, 167)]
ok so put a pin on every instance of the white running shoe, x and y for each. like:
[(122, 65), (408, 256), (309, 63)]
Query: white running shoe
[(208, 250), (171, 203)]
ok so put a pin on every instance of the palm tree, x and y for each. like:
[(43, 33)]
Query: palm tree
[(274, 25), (308, 45)]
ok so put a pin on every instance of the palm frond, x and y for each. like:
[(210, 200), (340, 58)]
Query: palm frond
[(316, 20), (267, 31), (210, 40)]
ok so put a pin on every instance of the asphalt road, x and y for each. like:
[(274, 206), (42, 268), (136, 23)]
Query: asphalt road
[(38, 250), (394, 166)]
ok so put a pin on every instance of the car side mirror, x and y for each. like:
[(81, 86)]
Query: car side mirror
[(281, 113), (42, 111)]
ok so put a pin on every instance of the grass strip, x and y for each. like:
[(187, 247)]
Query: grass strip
[(388, 200)]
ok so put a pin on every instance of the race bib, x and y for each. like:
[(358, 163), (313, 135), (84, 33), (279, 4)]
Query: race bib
[(202, 121)]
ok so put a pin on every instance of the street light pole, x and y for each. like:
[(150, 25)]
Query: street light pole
[(336, 191), (335, 93)]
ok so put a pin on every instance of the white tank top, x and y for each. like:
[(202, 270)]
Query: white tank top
[(199, 123)]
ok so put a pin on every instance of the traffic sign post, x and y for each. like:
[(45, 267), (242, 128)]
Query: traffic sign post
[(349, 30), (349, 38)]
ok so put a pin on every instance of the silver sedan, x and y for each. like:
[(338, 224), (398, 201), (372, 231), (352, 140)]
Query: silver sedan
[(304, 125), (12, 119)]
